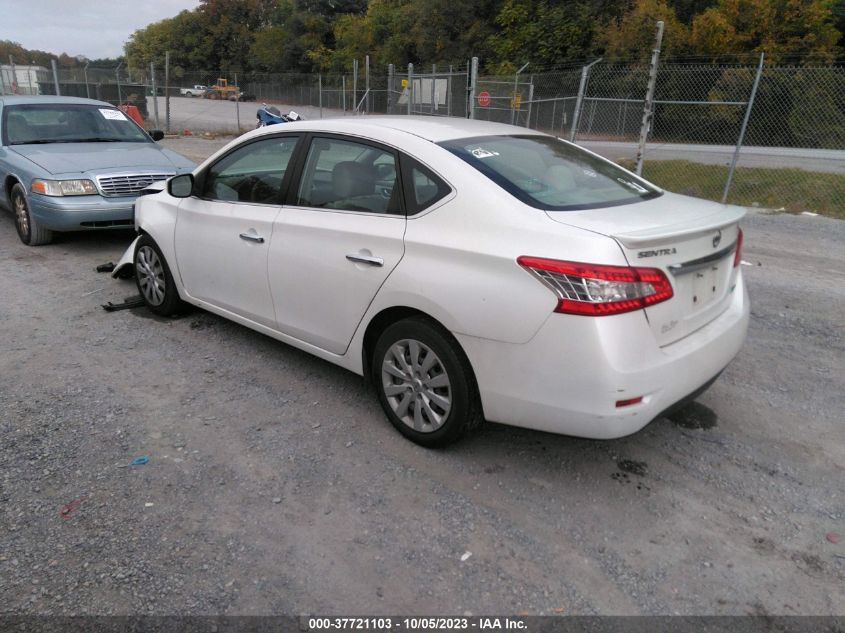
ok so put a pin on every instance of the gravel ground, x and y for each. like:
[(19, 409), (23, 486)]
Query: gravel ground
[(275, 485)]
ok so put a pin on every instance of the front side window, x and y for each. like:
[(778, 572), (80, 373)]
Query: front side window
[(348, 175), (253, 173), (551, 174), (28, 124)]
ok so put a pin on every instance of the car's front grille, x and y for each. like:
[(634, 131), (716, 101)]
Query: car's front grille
[(128, 185)]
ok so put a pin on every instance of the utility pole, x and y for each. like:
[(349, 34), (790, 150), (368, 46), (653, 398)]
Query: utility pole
[(648, 106)]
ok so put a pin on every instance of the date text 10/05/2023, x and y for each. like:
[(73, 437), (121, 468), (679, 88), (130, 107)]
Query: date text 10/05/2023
[(416, 623)]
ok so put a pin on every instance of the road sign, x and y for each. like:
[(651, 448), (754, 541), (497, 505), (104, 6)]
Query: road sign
[(483, 98)]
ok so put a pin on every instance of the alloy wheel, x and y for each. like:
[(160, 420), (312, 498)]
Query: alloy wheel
[(21, 216), (150, 274), (416, 385)]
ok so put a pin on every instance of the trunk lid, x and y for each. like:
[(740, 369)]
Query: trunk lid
[(692, 241)]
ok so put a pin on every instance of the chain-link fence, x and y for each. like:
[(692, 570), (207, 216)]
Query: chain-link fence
[(757, 135)]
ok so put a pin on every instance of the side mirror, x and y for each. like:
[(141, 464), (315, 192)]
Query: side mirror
[(181, 186), (156, 135)]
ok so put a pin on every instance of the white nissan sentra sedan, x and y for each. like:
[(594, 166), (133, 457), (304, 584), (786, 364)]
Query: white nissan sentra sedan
[(471, 270)]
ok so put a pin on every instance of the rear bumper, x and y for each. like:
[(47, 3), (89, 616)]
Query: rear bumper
[(568, 378), (81, 213)]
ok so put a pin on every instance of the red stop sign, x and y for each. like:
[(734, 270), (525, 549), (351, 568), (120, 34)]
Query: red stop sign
[(484, 98)]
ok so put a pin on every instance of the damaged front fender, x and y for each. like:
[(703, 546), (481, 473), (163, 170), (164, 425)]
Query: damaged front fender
[(123, 268)]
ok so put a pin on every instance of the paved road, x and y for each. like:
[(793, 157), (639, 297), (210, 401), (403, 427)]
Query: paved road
[(275, 485), (829, 161)]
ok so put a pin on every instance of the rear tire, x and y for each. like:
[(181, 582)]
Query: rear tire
[(425, 383), (154, 281), (29, 229)]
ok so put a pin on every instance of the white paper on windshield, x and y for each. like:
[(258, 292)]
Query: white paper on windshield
[(480, 152), (112, 115)]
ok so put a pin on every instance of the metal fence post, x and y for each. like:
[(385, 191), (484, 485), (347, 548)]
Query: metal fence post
[(649, 97), (530, 103), (579, 101), (449, 92), (473, 85), (343, 90), (745, 120), (85, 73), (355, 85), (155, 92), (391, 87), (56, 77), (367, 81), (320, 91), (513, 96), (410, 88), (237, 102), (433, 95), (167, 91), (15, 88), (117, 78)]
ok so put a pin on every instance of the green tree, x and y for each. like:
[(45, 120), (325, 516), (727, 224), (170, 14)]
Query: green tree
[(544, 33), (779, 28), (632, 35)]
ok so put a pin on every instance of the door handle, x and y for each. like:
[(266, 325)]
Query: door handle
[(252, 237), (365, 259)]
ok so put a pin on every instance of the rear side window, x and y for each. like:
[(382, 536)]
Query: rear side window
[(551, 174), (351, 176), (422, 186)]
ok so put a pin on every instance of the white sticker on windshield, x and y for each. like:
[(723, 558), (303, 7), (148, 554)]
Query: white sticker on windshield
[(480, 152), (112, 115)]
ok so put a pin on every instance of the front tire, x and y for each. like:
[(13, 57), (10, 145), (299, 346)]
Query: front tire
[(153, 279), (425, 383), (29, 230)]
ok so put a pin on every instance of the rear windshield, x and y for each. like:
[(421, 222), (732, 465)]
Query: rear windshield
[(43, 123), (551, 174)]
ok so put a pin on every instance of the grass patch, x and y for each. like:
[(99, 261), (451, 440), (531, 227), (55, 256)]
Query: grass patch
[(794, 190)]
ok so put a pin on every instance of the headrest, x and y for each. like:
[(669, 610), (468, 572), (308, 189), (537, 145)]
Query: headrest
[(351, 179)]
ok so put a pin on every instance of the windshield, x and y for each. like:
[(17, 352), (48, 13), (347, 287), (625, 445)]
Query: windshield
[(28, 124), (551, 174)]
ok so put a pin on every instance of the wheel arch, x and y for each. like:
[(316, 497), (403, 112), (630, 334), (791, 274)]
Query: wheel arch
[(387, 317), (8, 185)]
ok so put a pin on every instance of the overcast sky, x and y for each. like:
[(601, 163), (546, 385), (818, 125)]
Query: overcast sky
[(93, 28)]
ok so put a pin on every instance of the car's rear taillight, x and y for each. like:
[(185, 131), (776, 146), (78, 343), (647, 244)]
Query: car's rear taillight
[(738, 253), (598, 290)]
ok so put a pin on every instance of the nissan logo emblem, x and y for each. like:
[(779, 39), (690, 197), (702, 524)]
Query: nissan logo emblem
[(717, 238)]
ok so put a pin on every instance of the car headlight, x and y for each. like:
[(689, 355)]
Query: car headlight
[(64, 187)]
